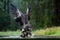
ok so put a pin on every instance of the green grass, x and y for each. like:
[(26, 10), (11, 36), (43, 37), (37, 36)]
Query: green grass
[(55, 31), (9, 33)]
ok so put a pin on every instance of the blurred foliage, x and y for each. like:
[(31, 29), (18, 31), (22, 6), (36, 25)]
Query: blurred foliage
[(4, 16), (42, 14), (53, 31)]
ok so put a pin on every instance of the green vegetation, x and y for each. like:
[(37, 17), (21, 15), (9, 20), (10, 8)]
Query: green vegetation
[(48, 31), (54, 31), (42, 13), (42, 16), (10, 33)]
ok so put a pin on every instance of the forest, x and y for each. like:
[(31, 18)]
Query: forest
[(44, 15)]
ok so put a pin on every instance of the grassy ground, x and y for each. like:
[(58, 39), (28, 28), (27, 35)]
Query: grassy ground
[(55, 31), (9, 33)]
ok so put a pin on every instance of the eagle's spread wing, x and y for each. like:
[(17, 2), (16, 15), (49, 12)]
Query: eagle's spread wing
[(28, 12), (15, 11), (17, 15)]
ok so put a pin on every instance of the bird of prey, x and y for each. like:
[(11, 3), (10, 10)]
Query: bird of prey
[(19, 16), (22, 18)]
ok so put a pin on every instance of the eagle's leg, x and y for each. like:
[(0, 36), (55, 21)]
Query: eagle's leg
[(26, 32)]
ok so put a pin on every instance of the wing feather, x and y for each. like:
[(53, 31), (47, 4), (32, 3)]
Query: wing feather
[(28, 11), (15, 11)]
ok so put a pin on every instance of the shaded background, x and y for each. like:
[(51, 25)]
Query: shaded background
[(45, 13)]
